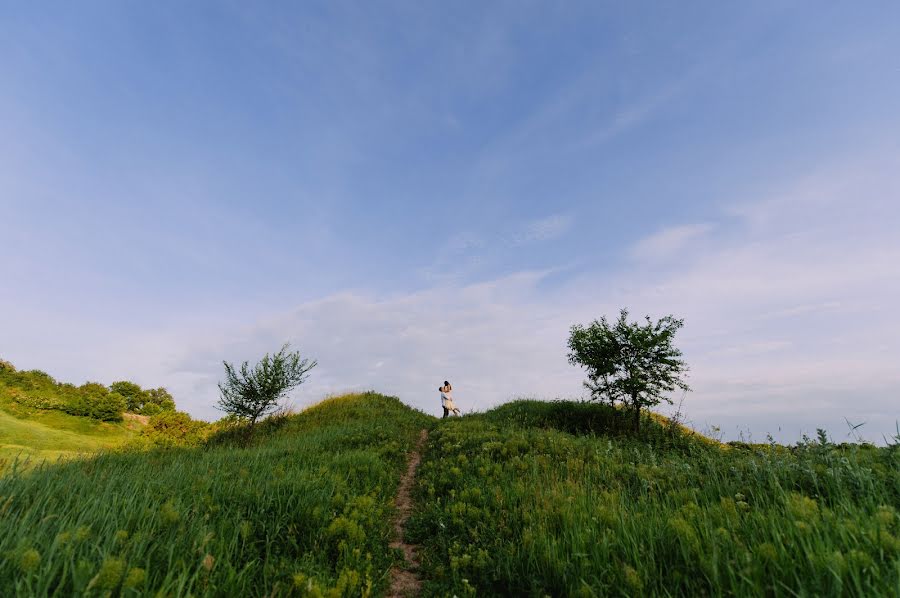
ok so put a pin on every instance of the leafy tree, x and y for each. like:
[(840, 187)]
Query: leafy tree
[(94, 400), (109, 407), (634, 364), (143, 402), (250, 393), (133, 394), (157, 400)]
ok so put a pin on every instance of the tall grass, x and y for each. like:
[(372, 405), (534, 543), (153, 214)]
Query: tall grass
[(304, 510), (508, 504)]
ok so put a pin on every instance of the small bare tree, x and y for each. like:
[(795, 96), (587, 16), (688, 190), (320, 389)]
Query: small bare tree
[(251, 393)]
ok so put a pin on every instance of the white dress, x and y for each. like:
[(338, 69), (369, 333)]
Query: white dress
[(447, 400)]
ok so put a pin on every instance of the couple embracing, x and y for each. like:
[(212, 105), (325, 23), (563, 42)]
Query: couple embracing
[(447, 399)]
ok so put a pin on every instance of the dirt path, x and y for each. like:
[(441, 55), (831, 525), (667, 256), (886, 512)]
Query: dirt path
[(405, 582)]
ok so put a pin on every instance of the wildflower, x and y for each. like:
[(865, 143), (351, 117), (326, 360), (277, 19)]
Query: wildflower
[(633, 578), (767, 552), (342, 527), (245, 529), (121, 536), (109, 575), (135, 578), (208, 562), (835, 562), (82, 533), (886, 516), (887, 542), (859, 560), (802, 507), (29, 560), (685, 533), (168, 514)]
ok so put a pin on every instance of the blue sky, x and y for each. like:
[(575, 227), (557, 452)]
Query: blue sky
[(418, 191)]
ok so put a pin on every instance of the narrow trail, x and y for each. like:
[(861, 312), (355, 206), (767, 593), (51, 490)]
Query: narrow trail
[(405, 582)]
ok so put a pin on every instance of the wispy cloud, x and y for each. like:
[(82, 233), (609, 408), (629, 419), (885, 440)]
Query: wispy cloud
[(668, 242), (463, 254), (545, 229)]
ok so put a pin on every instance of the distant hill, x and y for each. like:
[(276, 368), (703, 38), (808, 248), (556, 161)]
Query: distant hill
[(41, 418)]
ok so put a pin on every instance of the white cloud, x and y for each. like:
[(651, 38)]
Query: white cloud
[(667, 242), (790, 324)]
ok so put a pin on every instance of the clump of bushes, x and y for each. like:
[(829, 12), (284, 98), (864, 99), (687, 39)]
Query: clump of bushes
[(143, 402), (175, 429), (37, 390)]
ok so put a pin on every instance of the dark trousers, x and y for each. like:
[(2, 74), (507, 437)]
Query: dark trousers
[(446, 412)]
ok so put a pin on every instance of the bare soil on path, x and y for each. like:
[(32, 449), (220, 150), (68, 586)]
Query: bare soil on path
[(405, 582)]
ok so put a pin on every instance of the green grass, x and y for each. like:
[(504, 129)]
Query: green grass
[(514, 502), (30, 437), (531, 498), (305, 509)]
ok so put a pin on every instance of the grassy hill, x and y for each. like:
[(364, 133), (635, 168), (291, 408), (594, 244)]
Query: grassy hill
[(306, 509), (527, 499), (52, 435), (548, 499), (30, 433)]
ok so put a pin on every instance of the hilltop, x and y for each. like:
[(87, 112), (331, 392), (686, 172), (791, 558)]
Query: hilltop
[(531, 498)]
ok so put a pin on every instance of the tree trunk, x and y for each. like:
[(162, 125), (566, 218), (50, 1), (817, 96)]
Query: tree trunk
[(637, 418)]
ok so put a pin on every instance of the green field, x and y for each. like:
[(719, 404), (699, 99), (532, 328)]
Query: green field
[(528, 499), (34, 437), (545, 499), (305, 510)]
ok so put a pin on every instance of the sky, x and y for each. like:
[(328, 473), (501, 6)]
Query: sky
[(410, 192)]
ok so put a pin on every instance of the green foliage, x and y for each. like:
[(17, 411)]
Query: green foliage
[(251, 393), (37, 390), (176, 428), (628, 362), (143, 402), (512, 503), (95, 400), (131, 392), (304, 511), (157, 400)]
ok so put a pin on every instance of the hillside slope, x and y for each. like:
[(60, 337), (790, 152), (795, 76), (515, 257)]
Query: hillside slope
[(548, 499), (531, 498), (35, 436), (305, 509)]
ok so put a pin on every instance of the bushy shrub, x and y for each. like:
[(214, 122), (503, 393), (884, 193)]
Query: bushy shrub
[(37, 390), (108, 408), (157, 400), (143, 402), (131, 392), (176, 428), (94, 400)]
